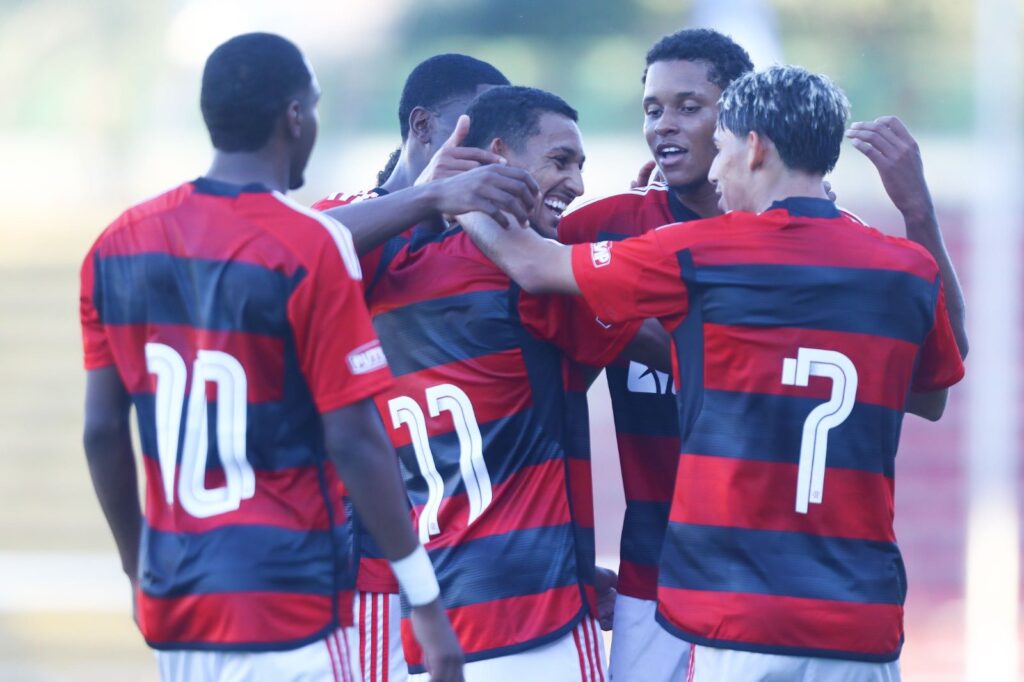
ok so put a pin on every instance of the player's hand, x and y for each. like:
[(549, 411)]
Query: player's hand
[(493, 189), (896, 155), (442, 654), (827, 186), (452, 158), (643, 178), (605, 581)]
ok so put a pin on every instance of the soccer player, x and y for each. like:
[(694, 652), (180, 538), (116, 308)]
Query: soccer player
[(436, 93), (800, 338), (684, 77), (483, 423), (233, 320)]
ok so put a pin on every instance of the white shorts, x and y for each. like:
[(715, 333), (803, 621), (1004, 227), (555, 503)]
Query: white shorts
[(327, 660), (378, 618), (710, 664), (577, 656), (642, 650)]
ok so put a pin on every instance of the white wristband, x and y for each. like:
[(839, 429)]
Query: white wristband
[(416, 577)]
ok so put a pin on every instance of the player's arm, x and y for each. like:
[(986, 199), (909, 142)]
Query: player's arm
[(652, 346), (111, 460), (897, 156), (537, 264), (358, 446), (939, 366), (493, 189)]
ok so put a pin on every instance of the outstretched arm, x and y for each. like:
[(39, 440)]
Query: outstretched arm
[(494, 189), (897, 156), (537, 264)]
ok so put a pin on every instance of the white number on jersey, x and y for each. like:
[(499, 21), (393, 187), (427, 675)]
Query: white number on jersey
[(797, 371), (472, 468), (227, 374)]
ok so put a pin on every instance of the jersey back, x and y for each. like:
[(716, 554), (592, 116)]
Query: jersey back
[(798, 336), (643, 399), (478, 416), (234, 319)]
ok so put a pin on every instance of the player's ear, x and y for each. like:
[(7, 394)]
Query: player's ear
[(293, 119), (498, 146), (757, 149), (420, 122)]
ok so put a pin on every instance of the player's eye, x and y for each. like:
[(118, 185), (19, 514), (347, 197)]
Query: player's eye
[(653, 112), (560, 162), (689, 108)]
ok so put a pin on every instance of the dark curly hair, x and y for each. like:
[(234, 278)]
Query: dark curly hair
[(726, 60)]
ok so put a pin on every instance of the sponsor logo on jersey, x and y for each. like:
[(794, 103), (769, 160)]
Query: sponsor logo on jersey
[(601, 254), (366, 358)]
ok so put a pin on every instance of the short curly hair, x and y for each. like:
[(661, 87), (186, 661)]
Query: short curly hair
[(726, 60)]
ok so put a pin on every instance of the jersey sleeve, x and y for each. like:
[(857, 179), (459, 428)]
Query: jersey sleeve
[(571, 325), (338, 350), (578, 227), (940, 364), (630, 279), (96, 345)]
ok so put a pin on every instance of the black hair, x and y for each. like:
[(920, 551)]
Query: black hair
[(726, 60), (803, 114), (389, 167), (248, 83), (442, 78), (512, 113)]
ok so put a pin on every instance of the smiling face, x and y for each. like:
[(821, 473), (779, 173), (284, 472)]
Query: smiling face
[(680, 112), (554, 157)]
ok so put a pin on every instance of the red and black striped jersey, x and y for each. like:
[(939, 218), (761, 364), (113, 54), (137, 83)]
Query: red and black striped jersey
[(234, 318), (798, 337), (488, 440), (643, 399), (373, 572)]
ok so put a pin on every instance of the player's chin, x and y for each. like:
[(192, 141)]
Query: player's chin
[(296, 181), (545, 225)]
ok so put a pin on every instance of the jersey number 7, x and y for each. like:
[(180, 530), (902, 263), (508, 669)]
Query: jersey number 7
[(472, 467), (810, 478)]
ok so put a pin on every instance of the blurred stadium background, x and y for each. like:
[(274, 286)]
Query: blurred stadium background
[(100, 109)]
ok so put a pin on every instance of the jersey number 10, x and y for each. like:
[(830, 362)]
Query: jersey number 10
[(228, 375), (810, 478), (475, 477)]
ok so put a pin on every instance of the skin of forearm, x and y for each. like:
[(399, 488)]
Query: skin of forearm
[(923, 228), (374, 222), (111, 463), (537, 264), (368, 465)]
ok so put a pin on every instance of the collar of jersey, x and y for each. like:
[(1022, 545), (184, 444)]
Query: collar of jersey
[(681, 213), (807, 207), (226, 189)]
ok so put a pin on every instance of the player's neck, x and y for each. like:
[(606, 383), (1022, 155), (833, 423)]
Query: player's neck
[(700, 198), (403, 176), (788, 184), (245, 168)]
